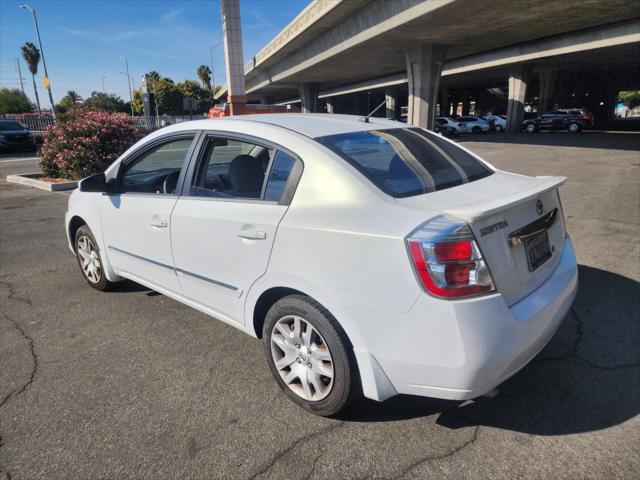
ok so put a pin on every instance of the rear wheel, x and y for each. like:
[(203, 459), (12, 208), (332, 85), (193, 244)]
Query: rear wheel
[(476, 130), (574, 128), (88, 256), (530, 128), (499, 128), (310, 356)]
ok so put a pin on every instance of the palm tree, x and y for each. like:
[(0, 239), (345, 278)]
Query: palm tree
[(153, 76), (204, 74), (74, 97), (31, 55)]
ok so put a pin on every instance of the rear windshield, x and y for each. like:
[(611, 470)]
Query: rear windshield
[(403, 162)]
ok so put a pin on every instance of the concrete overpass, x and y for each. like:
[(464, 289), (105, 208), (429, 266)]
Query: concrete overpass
[(336, 48)]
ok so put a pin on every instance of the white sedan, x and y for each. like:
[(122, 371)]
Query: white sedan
[(370, 257), (470, 124), (500, 123)]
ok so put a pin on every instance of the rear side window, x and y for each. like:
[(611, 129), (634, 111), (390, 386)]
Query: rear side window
[(278, 176), (404, 162)]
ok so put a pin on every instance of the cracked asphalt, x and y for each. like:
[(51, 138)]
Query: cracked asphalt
[(130, 384)]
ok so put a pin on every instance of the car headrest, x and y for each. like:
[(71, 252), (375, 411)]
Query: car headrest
[(245, 174)]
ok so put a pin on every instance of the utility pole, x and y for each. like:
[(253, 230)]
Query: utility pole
[(47, 84), (103, 77), (126, 64), (213, 81), (20, 74)]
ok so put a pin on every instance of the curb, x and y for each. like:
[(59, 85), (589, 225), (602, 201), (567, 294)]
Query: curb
[(33, 180)]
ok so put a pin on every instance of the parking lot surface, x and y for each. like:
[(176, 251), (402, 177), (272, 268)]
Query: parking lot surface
[(131, 384)]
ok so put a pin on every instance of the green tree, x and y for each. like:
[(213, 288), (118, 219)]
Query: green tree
[(138, 106), (191, 88), (107, 102), (12, 100), (204, 74), (153, 76), (71, 99), (31, 55)]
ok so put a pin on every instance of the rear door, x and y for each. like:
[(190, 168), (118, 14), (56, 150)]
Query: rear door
[(224, 225)]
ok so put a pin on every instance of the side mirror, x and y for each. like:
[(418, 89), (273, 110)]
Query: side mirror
[(98, 183)]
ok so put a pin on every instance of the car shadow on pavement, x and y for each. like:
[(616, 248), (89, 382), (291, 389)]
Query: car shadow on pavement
[(609, 141), (128, 286), (586, 379)]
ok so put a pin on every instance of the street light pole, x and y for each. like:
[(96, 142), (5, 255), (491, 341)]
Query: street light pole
[(103, 77), (44, 64), (126, 64)]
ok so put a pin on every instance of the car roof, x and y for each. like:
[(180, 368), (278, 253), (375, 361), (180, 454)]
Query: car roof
[(312, 125)]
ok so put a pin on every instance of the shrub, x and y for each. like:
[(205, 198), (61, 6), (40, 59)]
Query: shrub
[(85, 142)]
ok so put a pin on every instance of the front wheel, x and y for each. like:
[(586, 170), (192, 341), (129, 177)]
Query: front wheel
[(530, 128), (499, 128), (476, 130), (88, 256), (310, 356), (574, 128)]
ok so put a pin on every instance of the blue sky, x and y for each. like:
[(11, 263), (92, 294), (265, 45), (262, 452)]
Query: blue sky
[(82, 39)]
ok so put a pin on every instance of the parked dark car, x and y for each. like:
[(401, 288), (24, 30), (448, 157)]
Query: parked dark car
[(14, 136), (573, 120)]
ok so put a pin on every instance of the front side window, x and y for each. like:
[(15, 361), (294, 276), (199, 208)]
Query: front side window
[(403, 162), (158, 170), (231, 168)]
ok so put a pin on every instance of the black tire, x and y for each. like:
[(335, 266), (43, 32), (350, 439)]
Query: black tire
[(573, 128), (476, 130), (346, 385), (102, 283)]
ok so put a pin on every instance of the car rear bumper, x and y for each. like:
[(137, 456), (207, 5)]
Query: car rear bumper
[(463, 349)]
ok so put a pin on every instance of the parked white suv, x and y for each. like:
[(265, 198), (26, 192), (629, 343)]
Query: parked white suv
[(370, 258)]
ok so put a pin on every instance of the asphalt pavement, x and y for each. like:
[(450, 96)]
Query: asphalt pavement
[(131, 384)]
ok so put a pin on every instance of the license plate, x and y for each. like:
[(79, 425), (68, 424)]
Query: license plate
[(538, 250)]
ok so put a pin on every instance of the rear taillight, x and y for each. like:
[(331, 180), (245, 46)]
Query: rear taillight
[(447, 259)]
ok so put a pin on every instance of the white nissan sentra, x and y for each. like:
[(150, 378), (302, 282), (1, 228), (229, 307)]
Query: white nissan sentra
[(370, 257)]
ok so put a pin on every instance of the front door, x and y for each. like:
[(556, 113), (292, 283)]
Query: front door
[(224, 225), (136, 222)]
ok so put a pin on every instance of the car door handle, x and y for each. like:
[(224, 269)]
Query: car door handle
[(252, 234), (158, 222)]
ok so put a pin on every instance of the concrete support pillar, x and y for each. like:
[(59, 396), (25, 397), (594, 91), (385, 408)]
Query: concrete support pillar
[(424, 66), (518, 79), (546, 93), (444, 102), (309, 97), (329, 103), (236, 93), (465, 104), (391, 102)]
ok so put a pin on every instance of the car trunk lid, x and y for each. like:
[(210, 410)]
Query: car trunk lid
[(512, 217)]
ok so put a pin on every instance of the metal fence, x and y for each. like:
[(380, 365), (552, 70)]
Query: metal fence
[(38, 124)]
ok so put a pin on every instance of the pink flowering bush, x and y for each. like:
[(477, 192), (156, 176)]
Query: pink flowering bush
[(85, 142)]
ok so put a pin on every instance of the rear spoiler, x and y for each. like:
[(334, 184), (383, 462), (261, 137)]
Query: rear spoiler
[(475, 211)]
